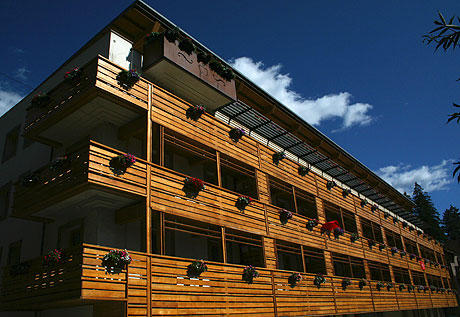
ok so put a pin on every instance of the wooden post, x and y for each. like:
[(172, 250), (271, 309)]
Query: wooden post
[(148, 213), (224, 247), (219, 175)]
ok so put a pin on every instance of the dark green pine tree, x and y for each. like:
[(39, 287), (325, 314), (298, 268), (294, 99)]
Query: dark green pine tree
[(426, 210), (451, 223)]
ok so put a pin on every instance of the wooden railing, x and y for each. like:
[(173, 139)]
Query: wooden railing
[(99, 75), (87, 166), (221, 290)]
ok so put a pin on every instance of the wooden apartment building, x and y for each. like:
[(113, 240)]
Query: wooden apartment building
[(80, 205)]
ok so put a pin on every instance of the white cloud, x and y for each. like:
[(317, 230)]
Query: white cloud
[(8, 99), (21, 73), (314, 111), (431, 178)]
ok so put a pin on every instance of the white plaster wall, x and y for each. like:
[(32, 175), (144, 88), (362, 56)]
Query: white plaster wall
[(122, 53)]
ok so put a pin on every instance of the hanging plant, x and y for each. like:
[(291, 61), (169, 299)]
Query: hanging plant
[(40, 100), (285, 215), (172, 34), (394, 250), (443, 290), (204, 58), (187, 46), (379, 285), (303, 170), (120, 163), (242, 202), (60, 163), (390, 286), (345, 283), (412, 256), (293, 279), (319, 280), (419, 232), (386, 215), (329, 227), (374, 208), (330, 185), (395, 220), (30, 180), (192, 187), (236, 134), (73, 75), (311, 224), (430, 238), (362, 284), (354, 237), (404, 224), (402, 253), (216, 65), (420, 288), (363, 203), (346, 192), (418, 257), (128, 78), (249, 273), (19, 269), (382, 247), (410, 288), (195, 112), (277, 157), (196, 268), (116, 260), (411, 229), (426, 260), (227, 74), (371, 244), (152, 37), (55, 256), (432, 288), (337, 233), (436, 264), (449, 291)]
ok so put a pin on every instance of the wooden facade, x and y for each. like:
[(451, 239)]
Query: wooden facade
[(156, 283)]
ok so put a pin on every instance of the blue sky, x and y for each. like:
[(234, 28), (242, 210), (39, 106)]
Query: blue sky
[(357, 70)]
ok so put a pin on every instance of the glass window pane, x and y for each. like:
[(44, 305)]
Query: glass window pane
[(244, 248)]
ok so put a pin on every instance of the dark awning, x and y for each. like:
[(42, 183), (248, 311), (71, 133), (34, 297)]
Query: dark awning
[(257, 123)]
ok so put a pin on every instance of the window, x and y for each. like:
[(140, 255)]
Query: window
[(445, 283), (14, 253), (345, 218), (371, 230), (289, 256), (418, 277), (427, 253), (434, 280), (189, 157), (5, 191), (282, 195), (306, 204), (192, 239), (345, 265), (411, 247), (11, 143), (393, 239), (379, 271), (314, 260), (401, 275), (238, 177), (244, 248)]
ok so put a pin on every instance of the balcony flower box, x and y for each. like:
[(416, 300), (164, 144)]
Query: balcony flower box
[(242, 202), (249, 274), (196, 268), (116, 260), (161, 53), (120, 163), (285, 215), (193, 186), (236, 134), (293, 279)]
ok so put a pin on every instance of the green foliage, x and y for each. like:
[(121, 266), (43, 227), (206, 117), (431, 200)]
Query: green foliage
[(446, 35), (451, 223), (426, 211)]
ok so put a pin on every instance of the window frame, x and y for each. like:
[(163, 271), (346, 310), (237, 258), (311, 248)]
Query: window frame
[(374, 227), (344, 214), (381, 267), (351, 261)]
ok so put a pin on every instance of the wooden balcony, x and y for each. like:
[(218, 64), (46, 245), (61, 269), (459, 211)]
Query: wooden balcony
[(82, 104), (87, 177), (173, 69), (159, 283)]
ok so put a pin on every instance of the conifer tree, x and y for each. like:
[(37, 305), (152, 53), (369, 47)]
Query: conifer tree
[(451, 223), (426, 211)]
